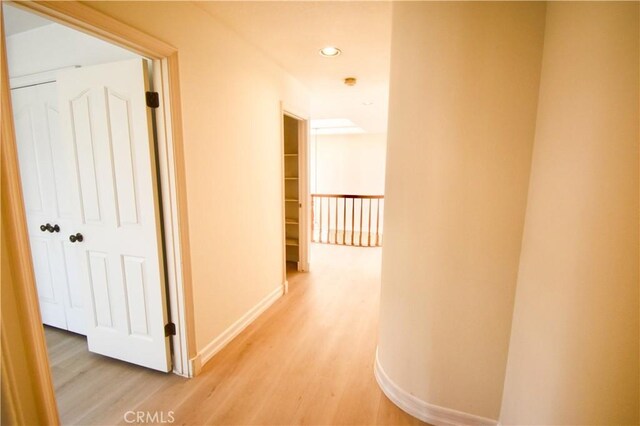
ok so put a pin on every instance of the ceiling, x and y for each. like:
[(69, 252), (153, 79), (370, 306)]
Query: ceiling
[(18, 21), (292, 32)]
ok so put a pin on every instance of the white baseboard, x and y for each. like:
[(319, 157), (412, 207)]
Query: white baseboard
[(236, 328), (433, 414)]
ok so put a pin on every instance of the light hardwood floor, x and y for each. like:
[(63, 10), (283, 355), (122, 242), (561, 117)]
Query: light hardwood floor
[(306, 360)]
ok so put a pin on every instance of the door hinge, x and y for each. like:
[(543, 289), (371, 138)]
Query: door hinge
[(169, 329), (153, 100)]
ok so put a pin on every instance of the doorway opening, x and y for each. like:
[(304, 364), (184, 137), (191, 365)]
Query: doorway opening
[(347, 184), (295, 193), (87, 121)]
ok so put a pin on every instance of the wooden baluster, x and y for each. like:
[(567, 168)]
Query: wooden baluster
[(320, 221), (353, 218), (336, 237), (329, 220), (377, 220), (369, 224), (361, 208), (329, 226), (344, 221), (313, 224), (326, 215)]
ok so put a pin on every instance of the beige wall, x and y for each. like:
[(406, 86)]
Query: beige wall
[(574, 349), (463, 94), (232, 129), (348, 164)]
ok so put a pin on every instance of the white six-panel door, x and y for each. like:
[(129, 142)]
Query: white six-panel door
[(50, 196), (103, 113)]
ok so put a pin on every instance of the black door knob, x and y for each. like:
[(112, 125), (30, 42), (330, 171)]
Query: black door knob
[(78, 237), (50, 228)]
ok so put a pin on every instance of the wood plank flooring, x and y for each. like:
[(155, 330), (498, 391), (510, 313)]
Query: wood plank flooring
[(306, 360)]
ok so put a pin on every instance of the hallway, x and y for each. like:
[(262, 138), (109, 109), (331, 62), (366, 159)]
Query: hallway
[(306, 360)]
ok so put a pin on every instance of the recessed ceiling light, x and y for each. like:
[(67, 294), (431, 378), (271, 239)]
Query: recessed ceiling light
[(367, 103), (330, 51)]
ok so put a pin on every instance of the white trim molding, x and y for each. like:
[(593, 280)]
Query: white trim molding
[(432, 414), (217, 344)]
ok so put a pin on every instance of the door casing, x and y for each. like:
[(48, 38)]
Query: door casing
[(172, 187)]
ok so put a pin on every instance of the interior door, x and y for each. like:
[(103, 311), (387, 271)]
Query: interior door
[(103, 111), (49, 190)]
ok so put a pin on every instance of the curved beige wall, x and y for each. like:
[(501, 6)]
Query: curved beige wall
[(574, 350), (463, 95)]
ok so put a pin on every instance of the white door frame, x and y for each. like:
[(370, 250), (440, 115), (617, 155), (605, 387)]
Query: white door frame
[(303, 188), (170, 159)]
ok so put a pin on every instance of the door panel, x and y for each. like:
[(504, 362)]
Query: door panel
[(33, 150), (49, 290), (74, 308), (42, 269), (123, 153), (135, 287), (100, 290), (35, 116), (83, 137), (103, 111)]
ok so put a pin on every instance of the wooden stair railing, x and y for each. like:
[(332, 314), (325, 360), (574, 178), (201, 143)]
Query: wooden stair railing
[(352, 220)]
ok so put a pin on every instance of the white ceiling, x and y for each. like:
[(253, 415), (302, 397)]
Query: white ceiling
[(292, 32), (18, 21)]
